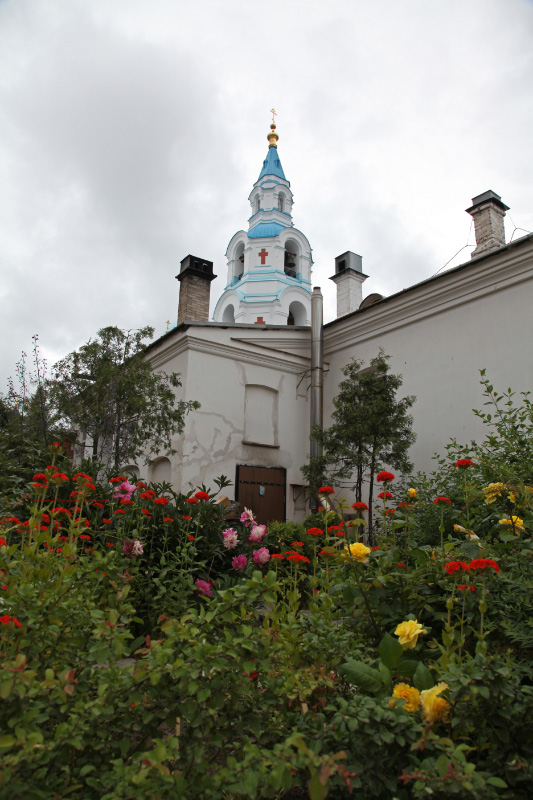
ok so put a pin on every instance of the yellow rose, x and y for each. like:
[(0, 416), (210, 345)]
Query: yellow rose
[(433, 706), (412, 493), (493, 491), (514, 521), (402, 691), (408, 633), (358, 551)]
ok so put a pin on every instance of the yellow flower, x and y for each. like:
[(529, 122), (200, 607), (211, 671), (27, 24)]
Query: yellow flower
[(493, 491), (514, 521), (470, 535), (402, 691), (512, 497), (408, 633), (358, 551), (433, 706), (412, 493)]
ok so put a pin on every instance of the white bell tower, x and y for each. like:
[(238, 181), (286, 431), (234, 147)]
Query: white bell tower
[(269, 266)]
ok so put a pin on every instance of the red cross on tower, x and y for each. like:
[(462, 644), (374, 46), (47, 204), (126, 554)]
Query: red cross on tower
[(262, 255)]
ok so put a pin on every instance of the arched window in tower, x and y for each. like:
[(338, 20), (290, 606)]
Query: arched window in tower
[(292, 252), (281, 202), (296, 315), (257, 205), (239, 261)]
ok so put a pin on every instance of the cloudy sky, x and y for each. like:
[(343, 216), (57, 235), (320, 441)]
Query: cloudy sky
[(131, 132)]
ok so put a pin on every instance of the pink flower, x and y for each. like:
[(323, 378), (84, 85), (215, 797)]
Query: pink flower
[(230, 538), (247, 517), (124, 491), (133, 547), (257, 533), (203, 587), (261, 556), (239, 563)]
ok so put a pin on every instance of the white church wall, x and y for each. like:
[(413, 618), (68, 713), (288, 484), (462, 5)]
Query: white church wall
[(439, 335)]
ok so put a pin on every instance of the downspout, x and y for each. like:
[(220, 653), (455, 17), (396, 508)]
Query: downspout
[(317, 374)]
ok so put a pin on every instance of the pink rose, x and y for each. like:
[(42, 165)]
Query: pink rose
[(261, 556), (230, 538), (239, 563), (257, 533)]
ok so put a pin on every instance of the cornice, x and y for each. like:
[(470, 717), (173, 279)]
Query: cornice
[(465, 284)]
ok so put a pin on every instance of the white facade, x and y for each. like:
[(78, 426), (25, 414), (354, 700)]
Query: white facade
[(253, 380)]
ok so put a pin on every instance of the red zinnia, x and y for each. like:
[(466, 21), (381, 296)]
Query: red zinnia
[(326, 490), (161, 501), (484, 563), (384, 477), (314, 531), (360, 506), (442, 500), (456, 566), (385, 496), (201, 496), (464, 463)]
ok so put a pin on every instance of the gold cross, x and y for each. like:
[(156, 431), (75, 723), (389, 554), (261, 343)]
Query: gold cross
[(274, 114), (168, 323)]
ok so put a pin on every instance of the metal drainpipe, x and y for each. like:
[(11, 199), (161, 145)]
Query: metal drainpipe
[(317, 373)]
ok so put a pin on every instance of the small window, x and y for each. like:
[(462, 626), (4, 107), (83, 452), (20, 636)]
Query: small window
[(257, 205), (281, 203)]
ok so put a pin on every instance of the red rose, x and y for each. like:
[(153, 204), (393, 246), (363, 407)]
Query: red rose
[(383, 477)]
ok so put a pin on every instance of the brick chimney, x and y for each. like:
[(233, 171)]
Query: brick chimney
[(349, 279), (195, 278), (488, 211)]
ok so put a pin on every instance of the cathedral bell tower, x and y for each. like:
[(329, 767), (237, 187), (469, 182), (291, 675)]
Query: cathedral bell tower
[(269, 266)]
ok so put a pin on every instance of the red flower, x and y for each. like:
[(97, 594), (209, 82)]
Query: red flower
[(109, 544), (297, 557), (384, 477), (314, 531), (7, 618), (360, 506), (326, 490), (146, 512), (62, 539), (385, 496), (148, 495), (484, 563), (297, 544), (187, 518), (2, 542), (39, 476), (118, 479), (85, 536), (326, 553), (463, 463), (141, 485), (377, 547), (106, 521), (277, 555), (161, 501), (442, 500), (97, 505), (404, 504), (120, 511), (390, 511), (201, 496), (465, 586), (192, 500), (190, 538), (400, 564), (456, 566), (168, 519)]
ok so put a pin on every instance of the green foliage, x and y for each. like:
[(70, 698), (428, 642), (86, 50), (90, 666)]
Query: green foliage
[(108, 392), (371, 429)]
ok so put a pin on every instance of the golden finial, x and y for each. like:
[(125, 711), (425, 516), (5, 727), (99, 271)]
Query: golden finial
[(273, 136), (168, 325)]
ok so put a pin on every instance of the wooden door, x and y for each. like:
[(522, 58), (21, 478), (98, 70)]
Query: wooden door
[(262, 489)]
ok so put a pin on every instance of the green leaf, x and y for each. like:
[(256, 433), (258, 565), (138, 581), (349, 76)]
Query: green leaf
[(386, 675), (496, 782), (7, 741), (407, 668), (317, 791), (362, 675), (390, 651), (422, 678)]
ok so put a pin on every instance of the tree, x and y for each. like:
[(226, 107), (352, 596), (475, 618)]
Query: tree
[(108, 392), (371, 429)]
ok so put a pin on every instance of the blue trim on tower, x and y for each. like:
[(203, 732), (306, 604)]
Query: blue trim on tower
[(266, 230)]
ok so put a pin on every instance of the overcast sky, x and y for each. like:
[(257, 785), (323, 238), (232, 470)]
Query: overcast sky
[(132, 131)]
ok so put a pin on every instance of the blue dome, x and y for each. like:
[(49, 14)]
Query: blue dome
[(265, 230), (272, 164)]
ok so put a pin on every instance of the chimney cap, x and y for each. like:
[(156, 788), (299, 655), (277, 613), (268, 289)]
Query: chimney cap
[(487, 197), (193, 265)]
